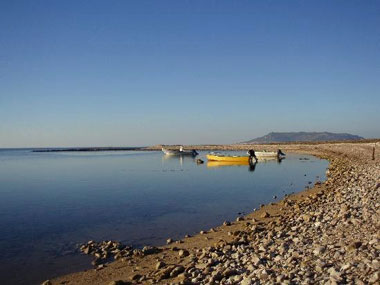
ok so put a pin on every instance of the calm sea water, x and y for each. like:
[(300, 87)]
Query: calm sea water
[(50, 202)]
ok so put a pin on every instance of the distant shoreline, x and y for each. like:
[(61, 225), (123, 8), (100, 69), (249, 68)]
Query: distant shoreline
[(88, 149)]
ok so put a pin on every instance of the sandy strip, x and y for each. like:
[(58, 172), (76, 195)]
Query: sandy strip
[(326, 235)]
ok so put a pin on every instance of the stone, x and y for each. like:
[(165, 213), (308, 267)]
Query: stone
[(47, 282), (147, 250), (86, 250), (96, 261), (165, 272), (160, 265), (374, 278), (265, 215), (306, 218), (319, 250), (136, 277), (354, 245), (229, 272), (176, 271), (246, 281), (118, 282), (256, 260), (183, 253)]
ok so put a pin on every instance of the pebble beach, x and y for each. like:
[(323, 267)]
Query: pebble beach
[(327, 234)]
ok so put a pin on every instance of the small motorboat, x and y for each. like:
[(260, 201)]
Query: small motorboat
[(269, 154), (181, 151)]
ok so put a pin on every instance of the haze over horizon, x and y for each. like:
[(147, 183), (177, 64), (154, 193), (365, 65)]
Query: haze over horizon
[(123, 73)]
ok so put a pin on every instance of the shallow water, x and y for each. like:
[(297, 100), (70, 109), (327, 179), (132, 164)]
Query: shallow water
[(50, 202)]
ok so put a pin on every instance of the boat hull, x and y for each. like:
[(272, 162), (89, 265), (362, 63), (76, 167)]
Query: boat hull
[(178, 152), (213, 163), (238, 159), (268, 154)]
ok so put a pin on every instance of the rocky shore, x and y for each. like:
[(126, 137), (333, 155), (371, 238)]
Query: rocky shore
[(328, 234)]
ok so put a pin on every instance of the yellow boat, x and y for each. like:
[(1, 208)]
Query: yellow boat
[(234, 158), (212, 163)]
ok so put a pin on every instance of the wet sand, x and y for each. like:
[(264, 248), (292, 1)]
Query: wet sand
[(327, 234)]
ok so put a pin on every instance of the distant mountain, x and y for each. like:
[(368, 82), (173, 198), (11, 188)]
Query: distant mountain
[(275, 137)]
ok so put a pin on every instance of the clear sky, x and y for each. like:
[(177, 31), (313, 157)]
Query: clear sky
[(128, 73)]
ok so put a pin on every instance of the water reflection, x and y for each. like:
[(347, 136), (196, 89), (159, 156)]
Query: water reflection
[(251, 166), (170, 159)]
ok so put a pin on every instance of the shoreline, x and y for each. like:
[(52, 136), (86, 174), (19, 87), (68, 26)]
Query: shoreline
[(246, 251)]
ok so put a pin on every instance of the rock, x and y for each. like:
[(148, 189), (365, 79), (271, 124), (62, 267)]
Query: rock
[(375, 264), (306, 218), (96, 262), (165, 272), (100, 266), (149, 250), (118, 282), (169, 241), (246, 281), (183, 253), (160, 265), (374, 278), (177, 270), (229, 272), (263, 275), (239, 219), (47, 282), (334, 275), (86, 250), (136, 277), (256, 260), (319, 250), (227, 223), (265, 215), (354, 245)]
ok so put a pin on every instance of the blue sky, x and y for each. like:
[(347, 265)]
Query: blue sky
[(123, 73)]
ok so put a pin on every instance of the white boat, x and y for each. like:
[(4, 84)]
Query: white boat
[(269, 154), (181, 151)]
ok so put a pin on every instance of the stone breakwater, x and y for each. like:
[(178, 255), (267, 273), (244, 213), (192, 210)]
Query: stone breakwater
[(327, 235)]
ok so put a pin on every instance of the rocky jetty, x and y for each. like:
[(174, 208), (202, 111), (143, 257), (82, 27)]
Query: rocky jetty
[(326, 235)]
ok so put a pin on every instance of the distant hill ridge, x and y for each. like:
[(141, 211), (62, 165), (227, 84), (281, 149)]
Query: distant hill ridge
[(275, 137)]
